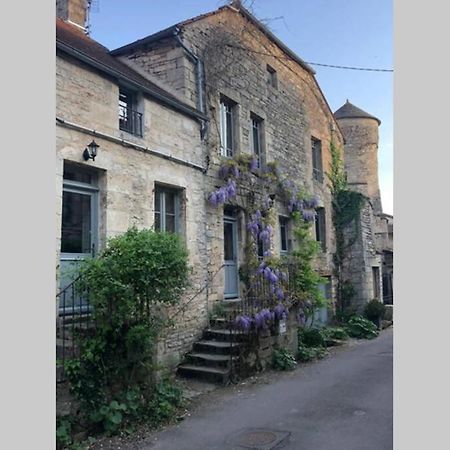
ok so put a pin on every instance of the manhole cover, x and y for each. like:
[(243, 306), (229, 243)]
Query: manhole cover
[(258, 439)]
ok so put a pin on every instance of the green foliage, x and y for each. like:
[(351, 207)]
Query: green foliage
[(306, 354), (347, 207), (361, 328), (138, 274), (218, 310), (374, 311), (305, 281), (167, 398), (311, 337), (63, 431), (283, 359), (334, 333)]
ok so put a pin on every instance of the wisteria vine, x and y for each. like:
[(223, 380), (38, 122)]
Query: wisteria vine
[(261, 230)]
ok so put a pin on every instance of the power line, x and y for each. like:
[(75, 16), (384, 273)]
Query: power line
[(279, 57), (348, 67)]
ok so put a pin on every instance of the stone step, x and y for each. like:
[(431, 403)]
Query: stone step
[(209, 359), (216, 347), (209, 373), (217, 334)]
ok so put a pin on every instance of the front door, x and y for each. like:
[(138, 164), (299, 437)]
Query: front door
[(231, 289), (78, 233)]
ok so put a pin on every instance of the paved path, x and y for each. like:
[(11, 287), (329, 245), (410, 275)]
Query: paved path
[(343, 402)]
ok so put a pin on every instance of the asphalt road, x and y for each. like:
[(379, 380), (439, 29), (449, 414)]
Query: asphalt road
[(343, 402)]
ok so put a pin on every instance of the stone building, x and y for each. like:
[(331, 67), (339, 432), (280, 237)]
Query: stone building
[(168, 113), (148, 171), (370, 267)]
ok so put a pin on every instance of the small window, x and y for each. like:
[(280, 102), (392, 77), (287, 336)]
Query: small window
[(316, 146), (284, 235), (376, 282), (272, 78), (227, 140), (257, 139), (130, 120), (320, 227), (167, 210)]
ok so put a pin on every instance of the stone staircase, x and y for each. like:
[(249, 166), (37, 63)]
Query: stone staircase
[(215, 355)]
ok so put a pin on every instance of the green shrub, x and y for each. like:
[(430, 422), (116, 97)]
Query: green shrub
[(130, 283), (374, 311), (311, 337), (361, 328), (283, 359), (334, 333), (310, 353)]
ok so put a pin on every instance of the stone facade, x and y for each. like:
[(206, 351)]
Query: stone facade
[(235, 54), (370, 265), (87, 107), (223, 54)]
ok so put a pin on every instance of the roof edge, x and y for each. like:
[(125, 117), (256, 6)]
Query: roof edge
[(168, 101)]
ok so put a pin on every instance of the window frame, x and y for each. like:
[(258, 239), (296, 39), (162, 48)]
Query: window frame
[(283, 222), (376, 280), (91, 190), (320, 226), (317, 161), (163, 191), (134, 118), (272, 77), (260, 154), (227, 108)]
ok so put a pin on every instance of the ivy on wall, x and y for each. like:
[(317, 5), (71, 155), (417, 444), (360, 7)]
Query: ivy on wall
[(346, 210)]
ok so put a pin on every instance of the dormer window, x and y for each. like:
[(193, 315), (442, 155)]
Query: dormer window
[(130, 120)]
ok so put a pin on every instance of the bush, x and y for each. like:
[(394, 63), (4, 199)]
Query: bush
[(374, 311), (130, 283), (283, 359), (310, 353), (361, 328), (311, 337), (334, 333)]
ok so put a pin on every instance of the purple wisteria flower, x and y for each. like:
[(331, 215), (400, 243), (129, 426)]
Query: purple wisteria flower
[(243, 322), (253, 164)]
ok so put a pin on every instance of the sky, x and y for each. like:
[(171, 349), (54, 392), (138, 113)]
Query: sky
[(356, 33)]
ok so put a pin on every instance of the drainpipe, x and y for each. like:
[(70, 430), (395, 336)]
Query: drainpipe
[(199, 71)]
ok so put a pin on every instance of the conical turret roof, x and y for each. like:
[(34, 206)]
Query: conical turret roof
[(350, 111)]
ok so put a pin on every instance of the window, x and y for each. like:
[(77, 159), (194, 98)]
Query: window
[(284, 235), (376, 282), (130, 120), (320, 227), (256, 139), (79, 211), (167, 210), (272, 79), (227, 144), (316, 146)]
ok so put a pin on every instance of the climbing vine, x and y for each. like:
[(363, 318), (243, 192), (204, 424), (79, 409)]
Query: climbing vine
[(346, 208), (304, 280)]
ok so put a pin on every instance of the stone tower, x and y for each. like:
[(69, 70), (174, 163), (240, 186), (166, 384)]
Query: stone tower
[(360, 131)]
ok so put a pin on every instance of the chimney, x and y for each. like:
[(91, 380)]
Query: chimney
[(74, 12)]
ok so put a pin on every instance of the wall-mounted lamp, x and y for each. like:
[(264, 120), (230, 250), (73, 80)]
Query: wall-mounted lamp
[(90, 152)]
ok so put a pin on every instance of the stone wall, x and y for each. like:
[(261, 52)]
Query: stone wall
[(235, 55), (361, 258), (361, 157), (127, 176)]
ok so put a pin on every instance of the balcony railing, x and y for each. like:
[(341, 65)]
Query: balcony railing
[(130, 121)]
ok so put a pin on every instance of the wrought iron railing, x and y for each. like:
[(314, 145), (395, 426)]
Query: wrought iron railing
[(130, 121), (74, 319)]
